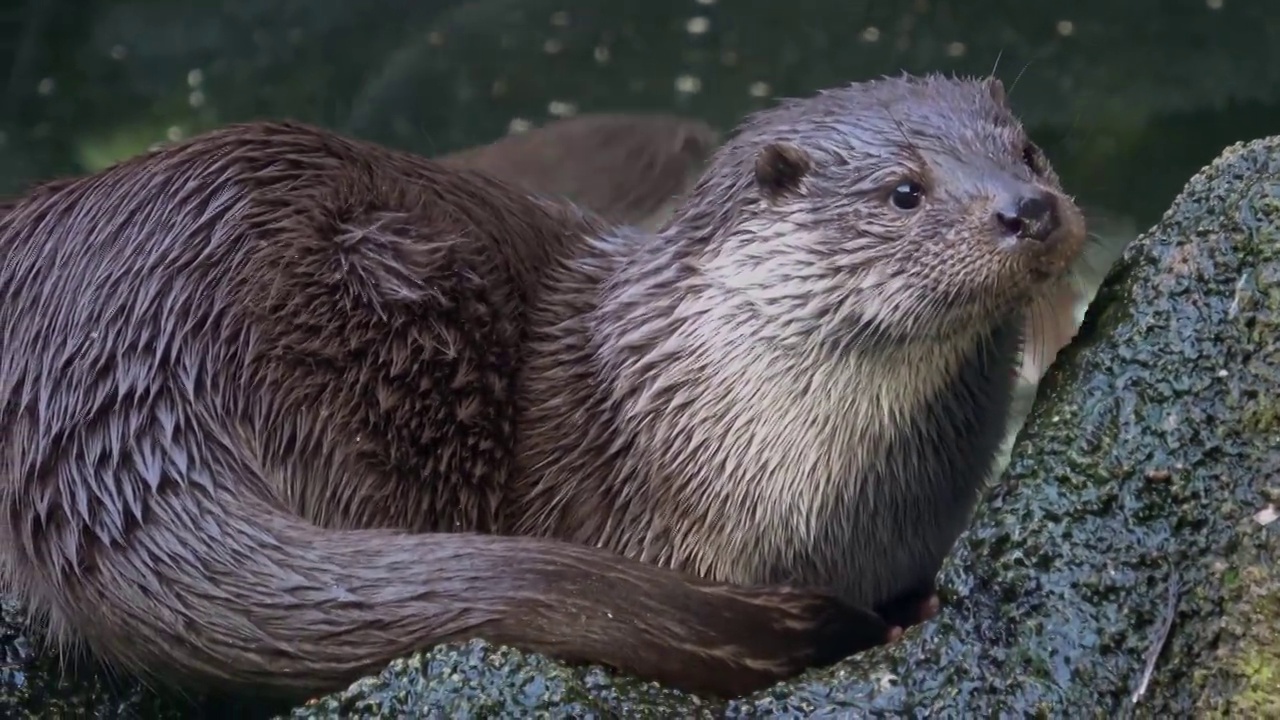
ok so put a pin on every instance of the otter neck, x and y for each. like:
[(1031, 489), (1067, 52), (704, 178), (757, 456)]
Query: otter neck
[(664, 418)]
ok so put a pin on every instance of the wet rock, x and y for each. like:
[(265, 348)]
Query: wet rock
[(1119, 556), (478, 680), (37, 684)]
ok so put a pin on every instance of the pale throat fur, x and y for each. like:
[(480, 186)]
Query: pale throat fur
[(795, 380), (704, 422)]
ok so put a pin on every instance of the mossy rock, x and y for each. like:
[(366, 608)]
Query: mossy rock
[(1136, 501)]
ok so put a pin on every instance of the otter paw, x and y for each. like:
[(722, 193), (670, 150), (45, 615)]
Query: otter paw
[(844, 630), (911, 608)]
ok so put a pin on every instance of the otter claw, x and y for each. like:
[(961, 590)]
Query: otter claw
[(911, 608), (930, 608)]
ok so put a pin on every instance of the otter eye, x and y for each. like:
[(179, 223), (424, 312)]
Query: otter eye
[(1031, 156), (907, 195)]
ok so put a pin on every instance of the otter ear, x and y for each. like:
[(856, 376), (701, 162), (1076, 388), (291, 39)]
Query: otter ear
[(780, 167), (996, 89)]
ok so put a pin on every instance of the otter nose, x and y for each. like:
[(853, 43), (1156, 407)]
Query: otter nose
[(1031, 217)]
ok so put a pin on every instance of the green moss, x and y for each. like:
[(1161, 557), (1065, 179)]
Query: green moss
[(478, 680), (1263, 416), (1260, 660), (1244, 679)]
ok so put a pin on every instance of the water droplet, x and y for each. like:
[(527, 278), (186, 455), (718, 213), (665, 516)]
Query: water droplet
[(697, 25), (560, 108), (688, 84)]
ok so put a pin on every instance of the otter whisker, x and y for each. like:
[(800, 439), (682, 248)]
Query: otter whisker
[(1014, 84)]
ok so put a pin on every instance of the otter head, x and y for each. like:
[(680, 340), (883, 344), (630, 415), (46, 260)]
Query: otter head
[(894, 210)]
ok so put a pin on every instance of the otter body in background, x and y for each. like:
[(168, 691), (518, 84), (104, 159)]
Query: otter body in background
[(626, 169), (261, 388)]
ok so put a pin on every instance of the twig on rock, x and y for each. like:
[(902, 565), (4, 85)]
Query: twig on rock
[(1161, 639)]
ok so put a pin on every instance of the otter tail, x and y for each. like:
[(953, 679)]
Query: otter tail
[(233, 592)]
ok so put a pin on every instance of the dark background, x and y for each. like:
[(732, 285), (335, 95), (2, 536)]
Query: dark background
[(1130, 97)]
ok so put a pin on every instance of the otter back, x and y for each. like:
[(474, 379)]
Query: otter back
[(241, 375)]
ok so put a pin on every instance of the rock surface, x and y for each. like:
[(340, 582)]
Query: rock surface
[(1137, 500)]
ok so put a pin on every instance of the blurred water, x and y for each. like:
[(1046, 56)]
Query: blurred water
[(1129, 98)]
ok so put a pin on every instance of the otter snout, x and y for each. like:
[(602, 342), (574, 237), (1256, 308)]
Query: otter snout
[(1030, 216), (1043, 227)]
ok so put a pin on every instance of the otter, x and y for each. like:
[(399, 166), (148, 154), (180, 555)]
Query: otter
[(259, 404), (624, 168), (280, 406), (628, 168), (806, 375)]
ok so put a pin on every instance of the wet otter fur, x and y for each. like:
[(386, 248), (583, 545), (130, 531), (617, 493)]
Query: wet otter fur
[(797, 381), (244, 380), (279, 406)]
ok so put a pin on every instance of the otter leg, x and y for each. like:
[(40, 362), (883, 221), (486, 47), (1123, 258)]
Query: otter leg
[(916, 605)]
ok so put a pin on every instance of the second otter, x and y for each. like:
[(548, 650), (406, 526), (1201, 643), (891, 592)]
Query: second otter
[(625, 169), (259, 389)]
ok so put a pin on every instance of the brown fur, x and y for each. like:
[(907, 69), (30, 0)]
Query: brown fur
[(240, 374), (797, 381), (626, 169)]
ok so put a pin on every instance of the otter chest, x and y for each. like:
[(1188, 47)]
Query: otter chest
[(857, 475)]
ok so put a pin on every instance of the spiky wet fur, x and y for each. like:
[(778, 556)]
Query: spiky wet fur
[(809, 388), (625, 168), (241, 375)]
